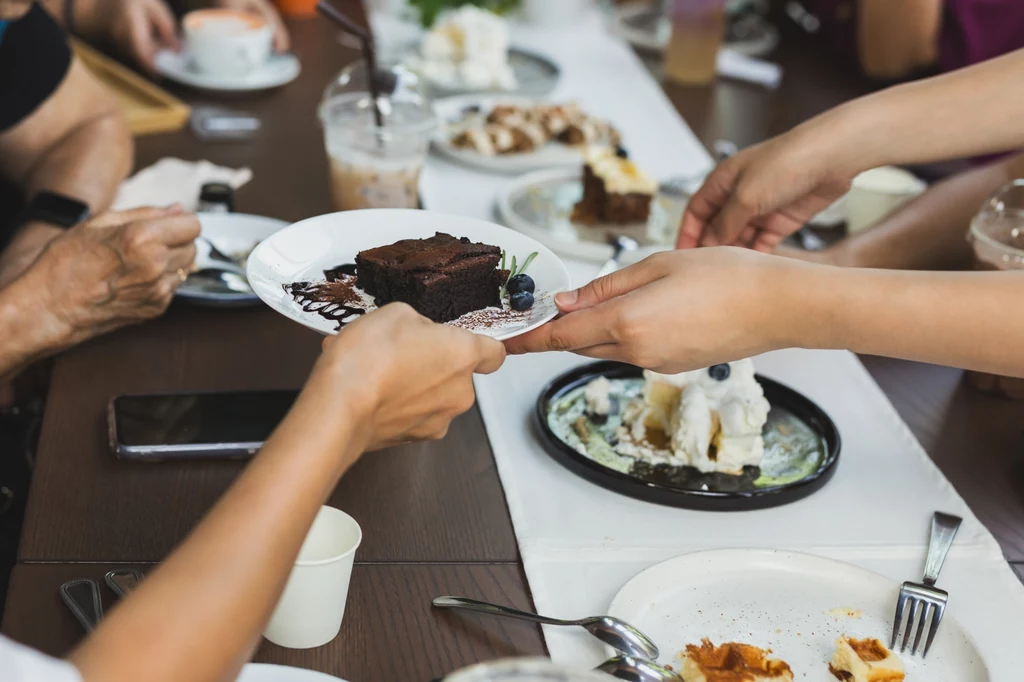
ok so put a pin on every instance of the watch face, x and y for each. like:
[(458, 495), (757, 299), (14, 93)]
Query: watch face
[(57, 209)]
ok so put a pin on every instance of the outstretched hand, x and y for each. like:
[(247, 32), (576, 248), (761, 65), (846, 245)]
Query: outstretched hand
[(674, 311)]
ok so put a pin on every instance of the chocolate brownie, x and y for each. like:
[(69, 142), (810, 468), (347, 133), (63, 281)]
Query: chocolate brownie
[(442, 277)]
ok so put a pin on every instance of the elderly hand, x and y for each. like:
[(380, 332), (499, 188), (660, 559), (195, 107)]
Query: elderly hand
[(114, 270), (407, 377), (266, 11), (678, 311)]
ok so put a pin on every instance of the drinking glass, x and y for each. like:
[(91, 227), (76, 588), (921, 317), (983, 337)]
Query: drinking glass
[(376, 166), (997, 237), (698, 29)]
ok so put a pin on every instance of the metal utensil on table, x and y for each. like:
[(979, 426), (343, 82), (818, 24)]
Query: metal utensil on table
[(620, 244), (217, 254), (82, 597), (229, 279), (616, 633), (122, 581), (922, 597), (808, 240), (637, 670)]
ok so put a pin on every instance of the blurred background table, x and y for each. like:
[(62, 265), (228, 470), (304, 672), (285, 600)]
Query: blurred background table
[(433, 515)]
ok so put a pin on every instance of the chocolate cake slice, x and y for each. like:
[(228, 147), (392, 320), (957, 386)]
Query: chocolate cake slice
[(442, 277)]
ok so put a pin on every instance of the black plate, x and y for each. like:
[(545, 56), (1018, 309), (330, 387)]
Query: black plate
[(725, 493)]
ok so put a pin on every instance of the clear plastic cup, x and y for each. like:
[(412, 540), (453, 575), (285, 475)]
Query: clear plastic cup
[(376, 166), (997, 237), (524, 670)]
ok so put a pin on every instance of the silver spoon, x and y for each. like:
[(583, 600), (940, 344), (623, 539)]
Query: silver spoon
[(616, 633), (620, 245), (637, 670), (228, 279)]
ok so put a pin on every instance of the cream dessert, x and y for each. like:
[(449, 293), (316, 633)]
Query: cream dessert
[(467, 48), (615, 190), (865, 660), (711, 419)]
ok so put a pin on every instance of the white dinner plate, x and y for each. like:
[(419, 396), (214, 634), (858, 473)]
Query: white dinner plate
[(794, 604), (235, 234), (449, 111), (303, 251), (277, 71), (539, 205), (262, 672)]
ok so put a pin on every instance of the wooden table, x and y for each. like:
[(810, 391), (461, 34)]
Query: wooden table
[(433, 515)]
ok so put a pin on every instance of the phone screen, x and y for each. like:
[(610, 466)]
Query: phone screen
[(199, 419)]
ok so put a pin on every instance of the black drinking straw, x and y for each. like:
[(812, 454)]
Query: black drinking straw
[(355, 29)]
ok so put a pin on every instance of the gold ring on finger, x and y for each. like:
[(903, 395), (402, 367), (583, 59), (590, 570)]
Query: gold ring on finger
[(182, 275)]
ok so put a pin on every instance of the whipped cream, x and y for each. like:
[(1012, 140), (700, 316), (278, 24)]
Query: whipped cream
[(467, 48), (620, 176), (598, 396)]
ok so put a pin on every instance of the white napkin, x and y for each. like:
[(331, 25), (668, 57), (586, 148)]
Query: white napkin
[(172, 180), (738, 66)]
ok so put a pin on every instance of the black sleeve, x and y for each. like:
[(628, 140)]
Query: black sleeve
[(34, 58)]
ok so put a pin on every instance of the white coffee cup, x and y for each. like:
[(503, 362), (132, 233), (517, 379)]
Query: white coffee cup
[(312, 605), (555, 13), (222, 42), (878, 192)]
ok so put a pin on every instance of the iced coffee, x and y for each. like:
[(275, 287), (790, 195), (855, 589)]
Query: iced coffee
[(375, 156), (997, 237)]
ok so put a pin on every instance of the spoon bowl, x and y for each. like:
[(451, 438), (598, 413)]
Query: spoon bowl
[(637, 670)]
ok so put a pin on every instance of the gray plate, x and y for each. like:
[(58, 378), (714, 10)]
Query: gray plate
[(537, 76)]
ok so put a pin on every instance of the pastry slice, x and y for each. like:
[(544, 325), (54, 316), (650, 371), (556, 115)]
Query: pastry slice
[(732, 662), (865, 660)]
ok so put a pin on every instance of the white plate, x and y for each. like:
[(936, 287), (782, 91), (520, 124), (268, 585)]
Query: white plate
[(278, 70), (304, 250), (262, 672), (788, 602), (449, 112), (539, 205), (536, 76), (234, 234)]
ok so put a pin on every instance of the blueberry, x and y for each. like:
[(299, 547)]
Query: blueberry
[(621, 152), (521, 300), (719, 372), (520, 283)]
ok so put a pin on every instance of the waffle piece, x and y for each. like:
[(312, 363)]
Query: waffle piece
[(865, 660)]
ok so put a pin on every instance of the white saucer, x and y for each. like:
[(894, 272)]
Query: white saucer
[(262, 672), (278, 70), (303, 251), (794, 604)]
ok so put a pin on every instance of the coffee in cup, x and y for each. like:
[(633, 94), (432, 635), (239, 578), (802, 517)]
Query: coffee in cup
[(223, 42)]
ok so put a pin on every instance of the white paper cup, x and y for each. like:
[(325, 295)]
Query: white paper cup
[(878, 192), (222, 42), (313, 602)]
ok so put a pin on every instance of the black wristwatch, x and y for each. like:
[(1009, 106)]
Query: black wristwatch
[(53, 208)]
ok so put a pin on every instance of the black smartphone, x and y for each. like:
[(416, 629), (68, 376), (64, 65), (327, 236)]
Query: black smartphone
[(195, 425)]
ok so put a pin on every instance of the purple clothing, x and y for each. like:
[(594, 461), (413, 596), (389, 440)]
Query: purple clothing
[(972, 30)]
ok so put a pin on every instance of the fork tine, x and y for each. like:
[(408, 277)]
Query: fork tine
[(925, 607), (936, 619), (914, 604), (901, 601)]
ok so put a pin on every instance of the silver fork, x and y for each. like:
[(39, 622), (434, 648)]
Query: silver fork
[(923, 597)]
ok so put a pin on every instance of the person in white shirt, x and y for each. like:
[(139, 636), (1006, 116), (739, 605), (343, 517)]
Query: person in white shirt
[(388, 378)]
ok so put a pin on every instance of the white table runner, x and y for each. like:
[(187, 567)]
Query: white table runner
[(581, 543)]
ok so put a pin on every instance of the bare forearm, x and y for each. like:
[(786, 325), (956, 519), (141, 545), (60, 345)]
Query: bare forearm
[(28, 332), (88, 164), (89, 19), (895, 38), (969, 112), (971, 320), (201, 630), (929, 233)]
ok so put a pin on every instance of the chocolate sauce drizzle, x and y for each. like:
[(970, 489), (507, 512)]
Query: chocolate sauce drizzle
[(336, 299)]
